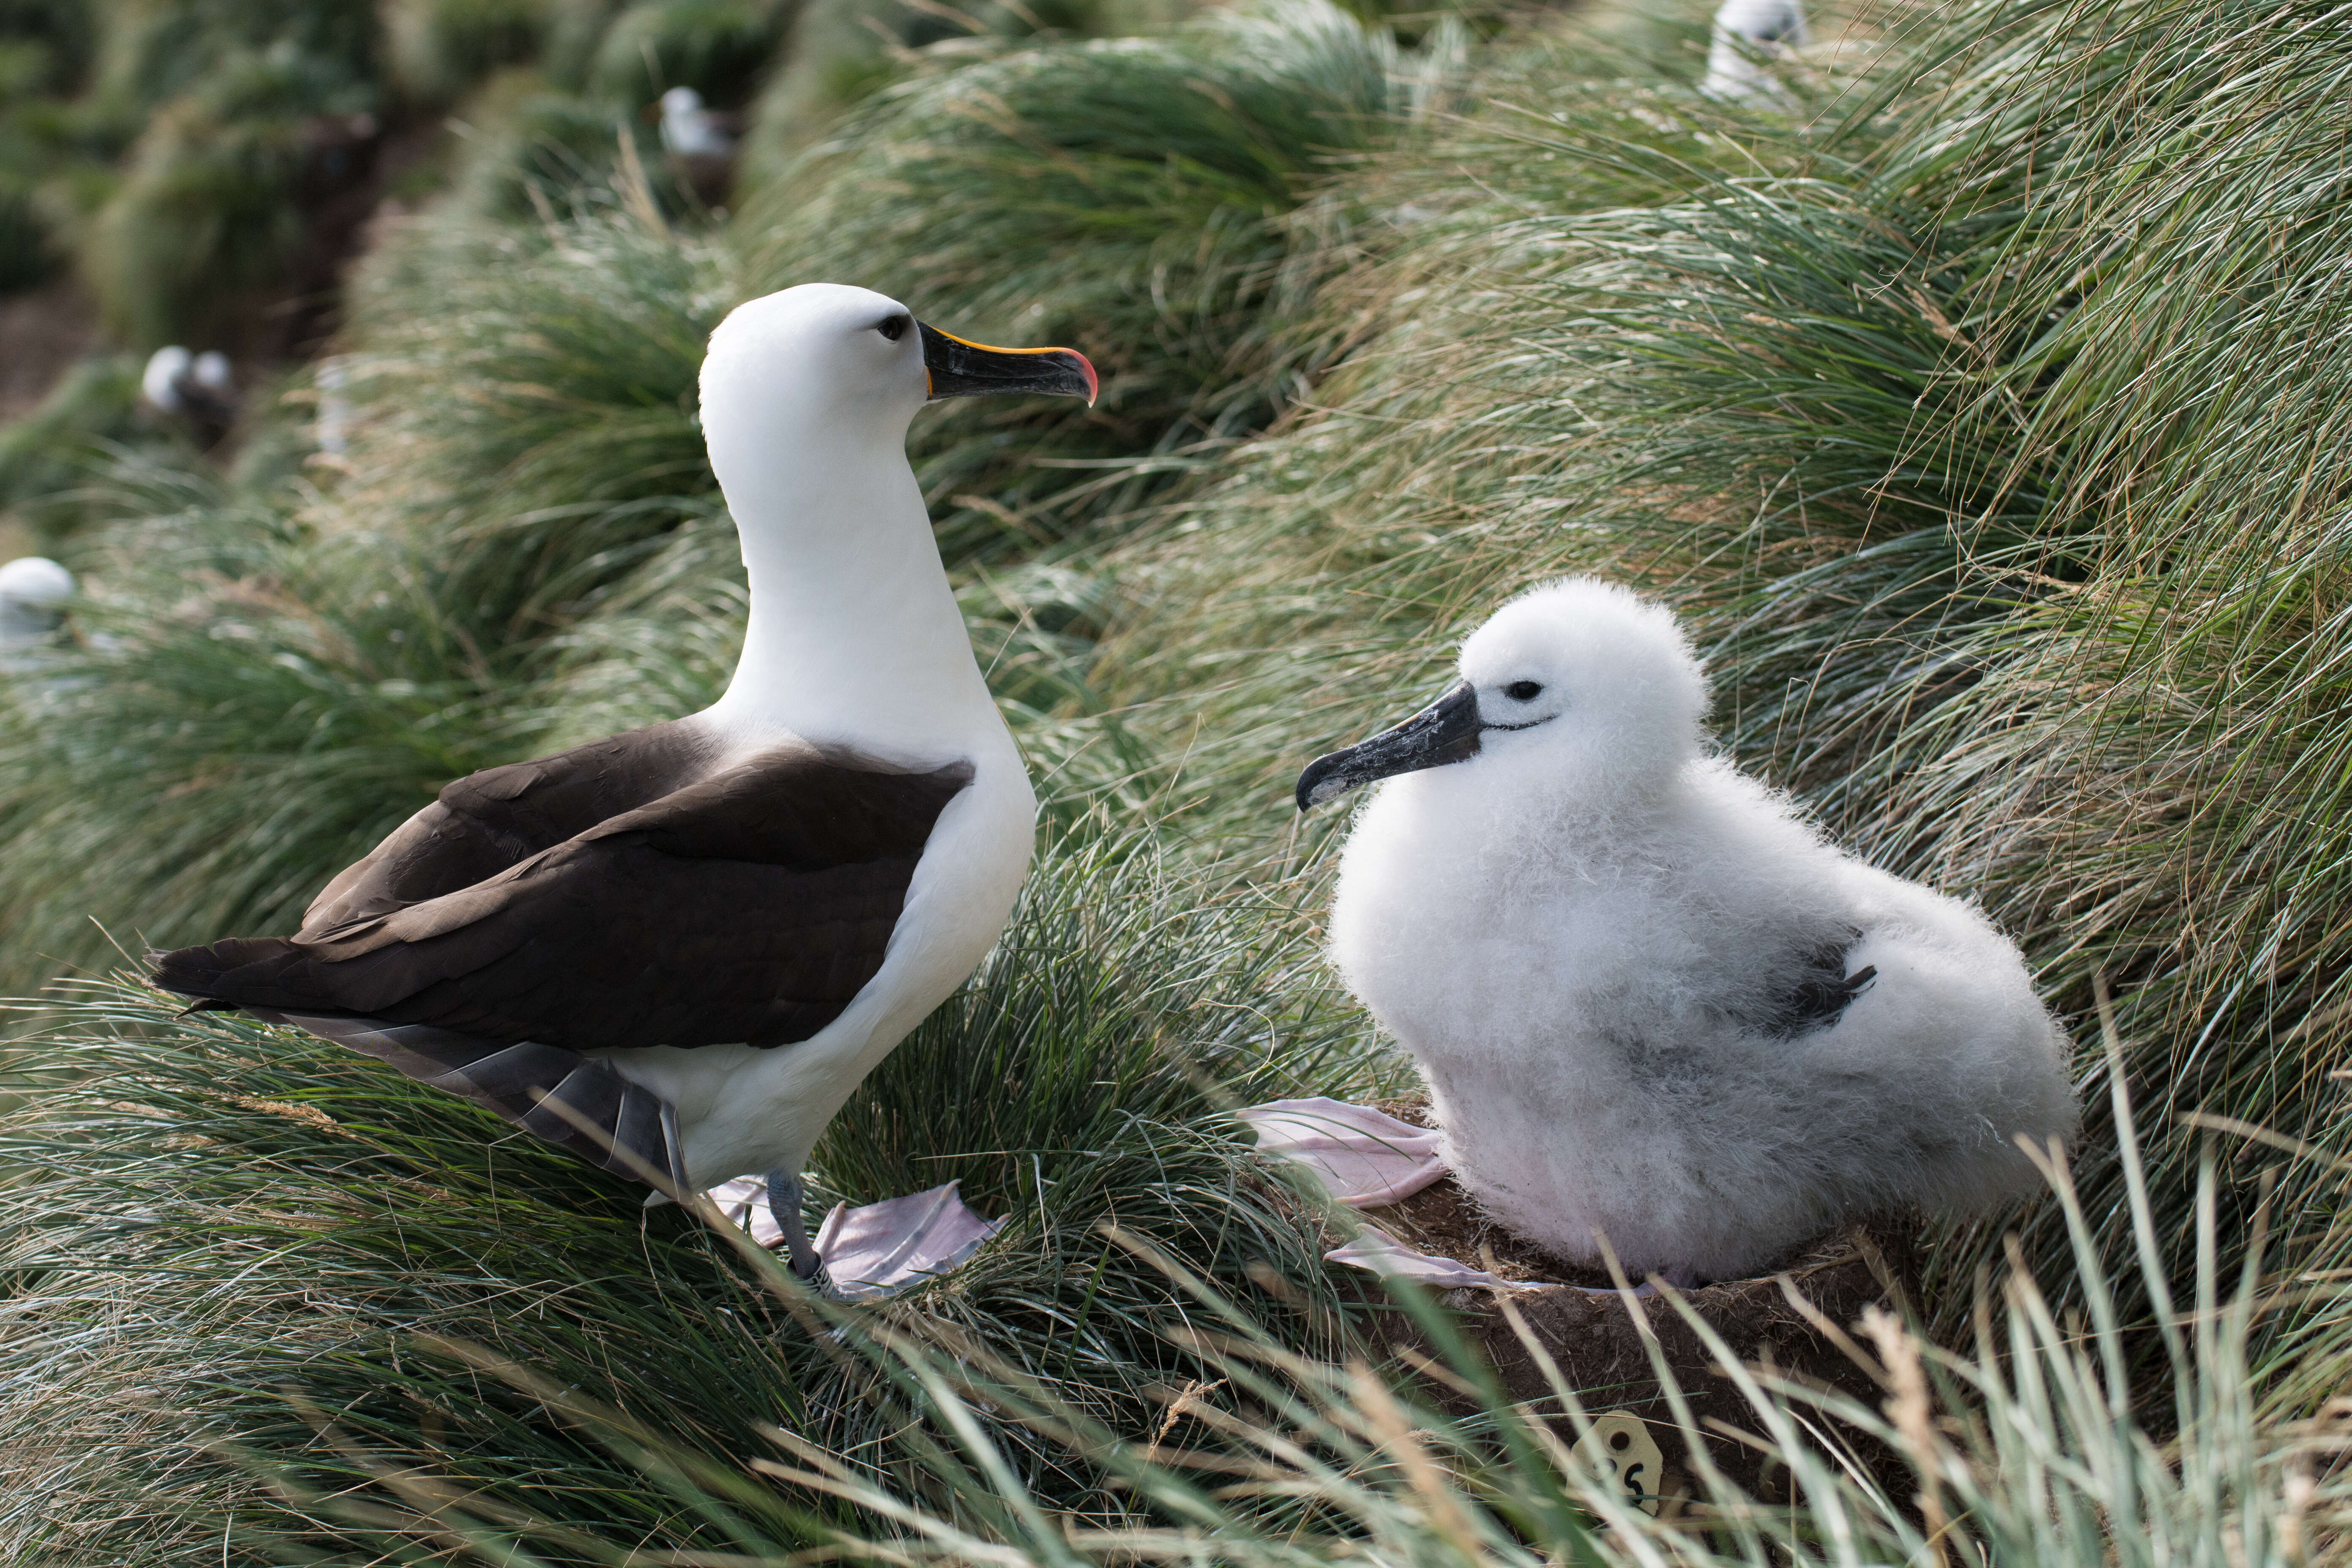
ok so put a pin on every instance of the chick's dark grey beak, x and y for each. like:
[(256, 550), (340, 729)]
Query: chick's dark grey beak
[(962, 369), (1445, 731)]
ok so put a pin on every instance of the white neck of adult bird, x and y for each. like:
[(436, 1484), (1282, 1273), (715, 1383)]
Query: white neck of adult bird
[(854, 630)]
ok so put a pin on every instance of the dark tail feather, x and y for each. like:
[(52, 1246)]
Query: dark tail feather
[(228, 974), (562, 1096)]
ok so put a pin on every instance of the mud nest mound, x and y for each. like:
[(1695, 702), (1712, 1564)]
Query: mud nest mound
[(1791, 1320)]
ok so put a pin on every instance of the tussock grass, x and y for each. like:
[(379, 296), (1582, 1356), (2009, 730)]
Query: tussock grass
[(150, 52), (55, 458), (209, 210), (719, 48), (527, 408), (62, 32), (27, 257), (2022, 1445), (1129, 197), (531, 150), (839, 53), (438, 48), (241, 1234)]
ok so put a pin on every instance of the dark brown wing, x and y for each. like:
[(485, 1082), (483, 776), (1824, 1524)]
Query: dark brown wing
[(486, 822), (752, 905)]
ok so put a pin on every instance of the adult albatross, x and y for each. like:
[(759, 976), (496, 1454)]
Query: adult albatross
[(678, 950)]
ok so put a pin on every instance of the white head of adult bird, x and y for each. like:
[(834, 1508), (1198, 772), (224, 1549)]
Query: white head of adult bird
[(680, 949), (1747, 32), (1652, 1003)]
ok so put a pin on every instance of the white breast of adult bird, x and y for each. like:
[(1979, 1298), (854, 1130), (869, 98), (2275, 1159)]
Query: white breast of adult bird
[(680, 949), (1651, 1000)]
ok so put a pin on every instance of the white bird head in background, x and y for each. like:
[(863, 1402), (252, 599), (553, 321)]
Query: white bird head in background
[(690, 129), (159, 383), (32, 593), (1575, 687), (1746, 34), (196, 388)]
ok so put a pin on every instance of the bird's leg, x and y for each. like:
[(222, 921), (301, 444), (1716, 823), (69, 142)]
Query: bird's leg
[(784, 1203), (673, 1146)]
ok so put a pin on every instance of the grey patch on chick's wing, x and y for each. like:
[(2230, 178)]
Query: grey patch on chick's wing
[(747, 904), (1819, 995)]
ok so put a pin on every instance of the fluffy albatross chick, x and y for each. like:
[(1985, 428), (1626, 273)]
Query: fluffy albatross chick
[(678, 950), (1650, 1002)]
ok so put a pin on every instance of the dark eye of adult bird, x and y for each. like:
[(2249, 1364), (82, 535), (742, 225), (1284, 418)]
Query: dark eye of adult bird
[(1523, 691), (893, 326)]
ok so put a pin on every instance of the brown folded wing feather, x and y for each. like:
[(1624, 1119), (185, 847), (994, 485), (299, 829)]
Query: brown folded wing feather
[(486, 821), (751, 904)]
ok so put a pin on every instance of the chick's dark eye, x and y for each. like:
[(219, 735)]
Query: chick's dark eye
[(1523, 691), (894, 327)]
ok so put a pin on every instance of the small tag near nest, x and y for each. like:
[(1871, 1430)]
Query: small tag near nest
[(1621, 1448)]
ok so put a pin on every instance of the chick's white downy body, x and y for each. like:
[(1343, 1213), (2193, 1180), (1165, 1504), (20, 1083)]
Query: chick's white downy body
[(1607, 952)]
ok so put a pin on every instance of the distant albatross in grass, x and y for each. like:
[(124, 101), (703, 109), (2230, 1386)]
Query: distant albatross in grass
[(678, 950)]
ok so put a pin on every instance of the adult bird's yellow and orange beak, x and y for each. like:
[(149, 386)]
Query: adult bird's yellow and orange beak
[(960, 368)]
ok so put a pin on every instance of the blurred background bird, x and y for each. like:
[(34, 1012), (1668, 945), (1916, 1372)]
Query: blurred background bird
[(195, 389), (34, 590), (701, 143), (1747, 35)]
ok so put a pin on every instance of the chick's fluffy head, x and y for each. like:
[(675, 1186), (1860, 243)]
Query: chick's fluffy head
[(1621, 698)]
